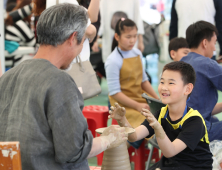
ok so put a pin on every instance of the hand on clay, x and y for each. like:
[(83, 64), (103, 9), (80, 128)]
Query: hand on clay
[(115, 135), (151, 119), (117, 112), (141, 106)]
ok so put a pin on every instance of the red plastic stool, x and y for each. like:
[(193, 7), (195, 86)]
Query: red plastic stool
[(139, 156), (97, 117)]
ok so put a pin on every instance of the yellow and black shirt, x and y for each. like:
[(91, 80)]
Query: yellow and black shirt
[(190, 129)]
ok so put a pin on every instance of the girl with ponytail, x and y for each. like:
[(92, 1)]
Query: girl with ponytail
[(126, 76)]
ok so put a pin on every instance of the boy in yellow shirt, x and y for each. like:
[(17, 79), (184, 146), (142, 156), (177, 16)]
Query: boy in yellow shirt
[(180, 131)]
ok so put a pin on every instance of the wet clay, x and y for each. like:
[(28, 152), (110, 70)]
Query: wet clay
[(127, 129), (118, 157)]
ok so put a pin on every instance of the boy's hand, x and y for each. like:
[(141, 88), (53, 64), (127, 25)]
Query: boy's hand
[(151, 119), (117, 112)]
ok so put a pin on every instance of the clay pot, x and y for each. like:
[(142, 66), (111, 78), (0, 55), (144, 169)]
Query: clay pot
[(116, 158)]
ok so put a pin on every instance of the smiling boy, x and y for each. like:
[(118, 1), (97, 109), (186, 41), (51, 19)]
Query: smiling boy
[(180, 131)]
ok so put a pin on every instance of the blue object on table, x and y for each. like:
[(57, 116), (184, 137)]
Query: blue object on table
[(11, 46)]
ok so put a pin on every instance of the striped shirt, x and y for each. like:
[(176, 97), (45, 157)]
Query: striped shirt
[(19, 32), (21, 13)]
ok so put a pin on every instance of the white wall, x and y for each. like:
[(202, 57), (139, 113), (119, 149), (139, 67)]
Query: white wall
[(2, 42)]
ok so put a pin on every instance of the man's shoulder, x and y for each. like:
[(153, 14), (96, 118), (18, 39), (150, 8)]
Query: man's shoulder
[(197, 59), (40, 69)]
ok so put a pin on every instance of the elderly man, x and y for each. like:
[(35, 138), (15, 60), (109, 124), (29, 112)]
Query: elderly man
[(40, 105)]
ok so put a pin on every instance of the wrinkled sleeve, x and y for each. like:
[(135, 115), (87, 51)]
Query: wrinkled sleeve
[(213, 71), (71, 137)]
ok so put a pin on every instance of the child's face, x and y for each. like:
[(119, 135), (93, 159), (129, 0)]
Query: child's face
[(127, 39), (180, 53), (171, 88)]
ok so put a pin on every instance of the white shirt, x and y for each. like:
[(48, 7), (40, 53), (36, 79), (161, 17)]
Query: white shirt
[(191, 11), (85, 53), (107, 9)]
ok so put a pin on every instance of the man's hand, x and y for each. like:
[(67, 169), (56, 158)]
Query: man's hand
[(114, 135)]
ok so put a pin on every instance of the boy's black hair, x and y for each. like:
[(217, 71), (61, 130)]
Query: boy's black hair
[(120, 28), (199, 31), (186, 70), (177, 43)]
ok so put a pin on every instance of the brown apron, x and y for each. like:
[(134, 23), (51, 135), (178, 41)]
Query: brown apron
[(131, 75)]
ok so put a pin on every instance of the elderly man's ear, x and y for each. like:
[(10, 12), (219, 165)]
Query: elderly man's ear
[(72, 39)]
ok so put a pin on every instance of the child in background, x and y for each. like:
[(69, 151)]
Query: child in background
[(126, 77), (180, 131), (178, 48)]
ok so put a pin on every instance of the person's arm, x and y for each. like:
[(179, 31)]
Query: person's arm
[(93, 10), (90, 32), (173, 22), (111, 137), (128, 102), (218, 22), (95, 47), (168, 148), (118, 113), (21, 13), (217, 109), (146, 86), (25, 34), (140, 43)]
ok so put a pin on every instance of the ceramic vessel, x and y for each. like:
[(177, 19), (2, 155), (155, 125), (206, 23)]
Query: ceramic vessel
[(116, 158)]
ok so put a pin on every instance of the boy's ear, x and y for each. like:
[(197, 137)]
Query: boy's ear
[(172, 54), (116, 36), (189, 88)]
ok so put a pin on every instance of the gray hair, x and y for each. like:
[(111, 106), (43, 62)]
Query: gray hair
[(58, 22)]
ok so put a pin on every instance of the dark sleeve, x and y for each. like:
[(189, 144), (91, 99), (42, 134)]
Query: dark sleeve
[(146, 124), (21, 13), (173, 22), (71, 138), (192, 131), (218, 21)]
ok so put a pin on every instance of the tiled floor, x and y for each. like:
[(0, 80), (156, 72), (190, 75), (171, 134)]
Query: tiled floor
[(102, 99)]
